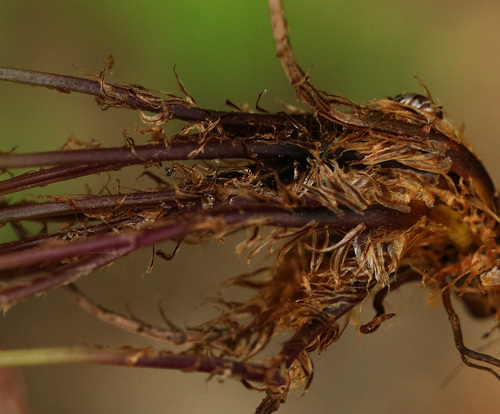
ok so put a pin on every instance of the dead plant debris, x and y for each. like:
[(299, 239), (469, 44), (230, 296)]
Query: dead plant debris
[(354, 199)]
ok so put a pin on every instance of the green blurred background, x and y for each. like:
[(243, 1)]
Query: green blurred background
[(223, 49)]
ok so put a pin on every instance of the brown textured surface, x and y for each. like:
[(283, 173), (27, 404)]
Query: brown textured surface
[(398, 380)]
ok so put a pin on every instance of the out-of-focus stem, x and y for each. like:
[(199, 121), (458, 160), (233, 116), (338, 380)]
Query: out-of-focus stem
[(142, 358), (171, 334), (61, 276)]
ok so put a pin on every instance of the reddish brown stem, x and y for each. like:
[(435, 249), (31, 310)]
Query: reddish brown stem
[(154, 153), (106, 248), (375, 216), (64, 275), (464, 163), (90, 204), (134, 97)]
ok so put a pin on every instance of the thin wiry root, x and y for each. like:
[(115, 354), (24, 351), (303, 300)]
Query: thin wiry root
[(128, 324), (465, 353)]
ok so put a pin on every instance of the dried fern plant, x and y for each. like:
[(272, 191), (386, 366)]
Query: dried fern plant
[(354, 199)]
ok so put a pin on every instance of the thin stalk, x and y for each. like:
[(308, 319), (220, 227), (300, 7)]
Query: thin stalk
[(154, 153), (75, 164), (61, 276), (139, 98), (143, 358), (464, 163), (173, 335), (53, 175), (375, 216), (468, 355), (87, 205), (103, 249)]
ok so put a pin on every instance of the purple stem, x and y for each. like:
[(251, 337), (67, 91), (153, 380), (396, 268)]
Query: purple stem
[(464, 163), (62, 276), (154, 153), (112, 159), (91, 204), (375, 216), (134, 97), (239, 370), (247, 371), (37, 241), (105, 249), (52, 175)]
